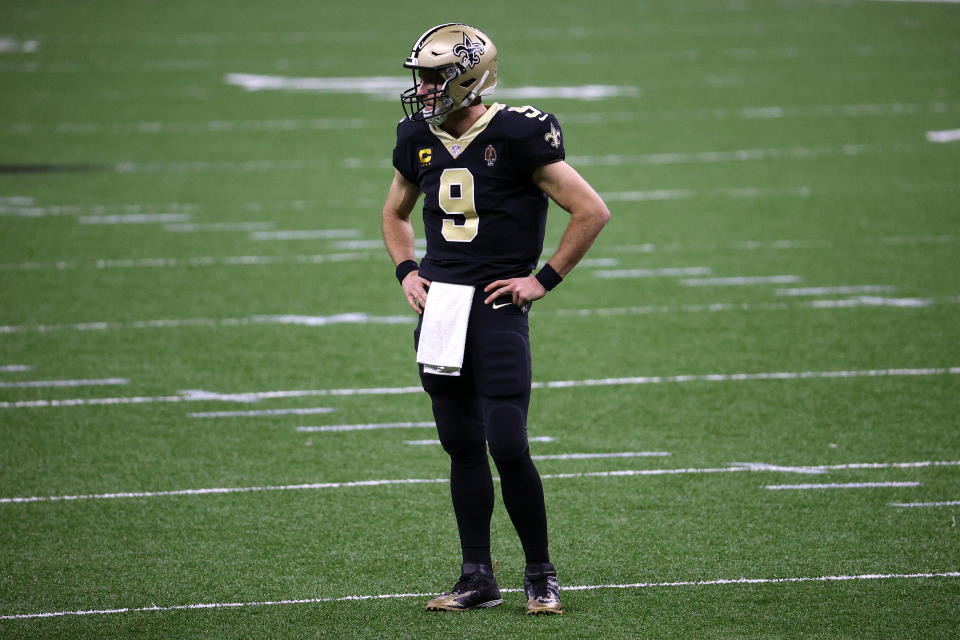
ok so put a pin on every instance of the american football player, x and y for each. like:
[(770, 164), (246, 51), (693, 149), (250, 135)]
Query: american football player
[(486, 173)]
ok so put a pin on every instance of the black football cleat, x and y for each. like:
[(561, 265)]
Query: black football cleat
[(476, 589), (542, 589)]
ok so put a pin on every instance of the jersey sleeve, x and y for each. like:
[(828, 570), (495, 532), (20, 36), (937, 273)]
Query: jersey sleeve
[(402, 156), (540, 143)]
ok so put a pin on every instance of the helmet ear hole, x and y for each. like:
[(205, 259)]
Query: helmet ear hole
[(469, 82)]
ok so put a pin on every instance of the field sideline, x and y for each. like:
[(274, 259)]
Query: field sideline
[(745, 402)]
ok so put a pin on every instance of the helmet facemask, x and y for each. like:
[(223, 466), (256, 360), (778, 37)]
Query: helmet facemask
[(415, 105)]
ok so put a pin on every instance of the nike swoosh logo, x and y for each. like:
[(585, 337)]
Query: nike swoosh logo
[(501, 305)]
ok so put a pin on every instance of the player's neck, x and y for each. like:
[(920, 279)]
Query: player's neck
[(460, 121)]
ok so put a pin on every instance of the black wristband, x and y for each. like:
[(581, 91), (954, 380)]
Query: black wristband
[(548, 277), (406, 267)]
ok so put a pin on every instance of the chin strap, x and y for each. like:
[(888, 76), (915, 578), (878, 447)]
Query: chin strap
[(437, 120), (466, 102)]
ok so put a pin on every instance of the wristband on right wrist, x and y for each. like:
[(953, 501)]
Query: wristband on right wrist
[(548, 277), (406, 267)]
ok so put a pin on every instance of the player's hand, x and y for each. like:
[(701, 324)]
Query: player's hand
[(521, 290), (415, 290)]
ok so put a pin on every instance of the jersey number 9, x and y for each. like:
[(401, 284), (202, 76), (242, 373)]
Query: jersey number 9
[(456, 198)]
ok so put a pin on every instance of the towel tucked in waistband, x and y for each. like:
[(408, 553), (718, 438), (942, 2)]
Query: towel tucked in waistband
[(443, 332)]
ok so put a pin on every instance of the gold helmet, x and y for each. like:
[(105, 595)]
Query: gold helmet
[(461, 60)]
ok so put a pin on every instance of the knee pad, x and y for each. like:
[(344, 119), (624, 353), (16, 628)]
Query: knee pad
[(462, 440), (458, 418), (506, 428)]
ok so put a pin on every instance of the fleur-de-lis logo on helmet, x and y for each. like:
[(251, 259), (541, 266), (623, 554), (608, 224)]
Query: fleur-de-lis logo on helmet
[(469, 51)]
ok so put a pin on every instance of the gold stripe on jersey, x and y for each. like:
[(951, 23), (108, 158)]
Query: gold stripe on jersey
[(456, 146)]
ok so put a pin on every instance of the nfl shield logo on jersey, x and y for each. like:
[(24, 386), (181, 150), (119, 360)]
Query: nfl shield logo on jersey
[(490, 155), (455, 150)]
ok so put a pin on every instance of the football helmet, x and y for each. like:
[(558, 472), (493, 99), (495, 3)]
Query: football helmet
[(460, 60)]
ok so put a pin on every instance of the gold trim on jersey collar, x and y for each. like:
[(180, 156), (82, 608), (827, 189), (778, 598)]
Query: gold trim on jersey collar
[(449, 142)]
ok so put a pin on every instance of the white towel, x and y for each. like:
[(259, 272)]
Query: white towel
[(443, 331)]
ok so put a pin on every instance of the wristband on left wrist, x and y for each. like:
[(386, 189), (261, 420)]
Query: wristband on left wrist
[(548, 277), (406, 267)]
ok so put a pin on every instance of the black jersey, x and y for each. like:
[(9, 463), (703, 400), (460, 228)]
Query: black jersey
[(484, 217)]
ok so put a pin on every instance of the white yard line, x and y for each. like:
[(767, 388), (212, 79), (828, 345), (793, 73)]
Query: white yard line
[(371, 85), (841, 485), (265, 412), (643, 196), (196, 261), (774, 245), (26, 384), (322, 321), (367, 427), (172, 323), (587, 92), (588, 118), (626, 473), (709, 157), (871, 301), (437, 442), (743, 377), (306, 234), (839, 290), (909, 240), (923, 1), (684, 194), (590, 456), (363, 318), (25, 207), (593, 263), (820, 469), (885, 465), (179, 128), (373, 245), (15, 368), (187, 396), (225, 490), (949, 503), (950, 135), (12, 45), (194, 227), (738, 281), (239, 166), (380, 86), (136, 218), (153, 608), (668, 272), (583, 587)]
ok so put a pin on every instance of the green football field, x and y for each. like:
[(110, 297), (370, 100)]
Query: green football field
[(746, 405)]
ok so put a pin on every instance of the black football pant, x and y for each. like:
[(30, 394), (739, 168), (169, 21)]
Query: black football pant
[(487, 405)]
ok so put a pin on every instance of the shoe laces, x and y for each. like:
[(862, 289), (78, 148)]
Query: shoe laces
[(468, 582), (540, 586)]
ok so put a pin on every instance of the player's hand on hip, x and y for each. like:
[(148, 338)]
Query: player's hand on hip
[(521, 290), (415, 290)]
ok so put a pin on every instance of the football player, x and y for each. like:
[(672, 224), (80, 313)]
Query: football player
[(486, 172)]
